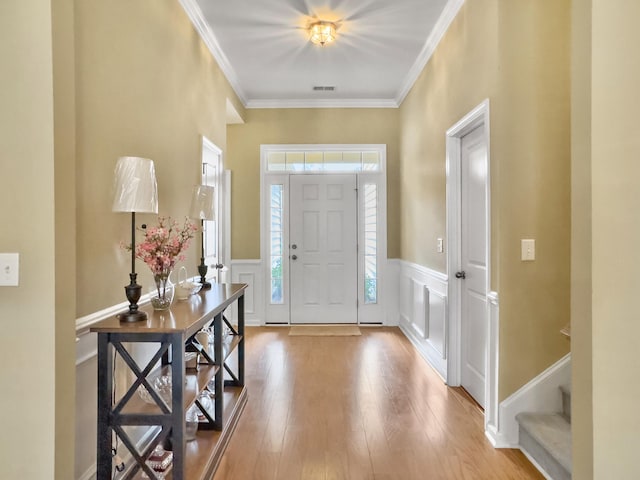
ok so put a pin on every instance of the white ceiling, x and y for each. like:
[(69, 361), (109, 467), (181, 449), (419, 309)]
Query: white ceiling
[(262, 46)]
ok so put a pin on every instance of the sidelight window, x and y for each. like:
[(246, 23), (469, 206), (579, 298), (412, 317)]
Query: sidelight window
[(277, 240), (370, 243)]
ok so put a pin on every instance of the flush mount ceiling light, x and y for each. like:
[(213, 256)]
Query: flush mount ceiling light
[(322, 32)]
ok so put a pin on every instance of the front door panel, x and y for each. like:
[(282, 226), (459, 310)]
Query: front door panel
[(323, 250)]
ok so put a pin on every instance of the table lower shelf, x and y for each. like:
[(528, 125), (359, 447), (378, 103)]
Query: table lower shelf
[(205, 452), (203, 455)]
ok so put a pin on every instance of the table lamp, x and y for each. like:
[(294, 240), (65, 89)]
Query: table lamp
[(203, 207), (135, 191)]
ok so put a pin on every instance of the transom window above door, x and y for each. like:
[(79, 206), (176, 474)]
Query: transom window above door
[(317, 161)]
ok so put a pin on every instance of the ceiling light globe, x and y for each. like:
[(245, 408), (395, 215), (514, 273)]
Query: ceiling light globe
[(322, 33)]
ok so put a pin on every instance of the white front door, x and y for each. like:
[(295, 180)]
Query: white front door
[(473, 230), (323, 248)]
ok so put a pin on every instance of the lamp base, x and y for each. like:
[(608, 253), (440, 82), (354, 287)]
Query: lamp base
[(137, 316), (205, 285)]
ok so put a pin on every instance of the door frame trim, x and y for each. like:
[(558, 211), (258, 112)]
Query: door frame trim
[(480, 115), (379, 313), (223, 207)]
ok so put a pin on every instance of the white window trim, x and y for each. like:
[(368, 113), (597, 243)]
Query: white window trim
[(367, 313)]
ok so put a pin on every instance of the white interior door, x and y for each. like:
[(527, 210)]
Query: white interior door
[(474, 322), (213, 175), (323, 248)]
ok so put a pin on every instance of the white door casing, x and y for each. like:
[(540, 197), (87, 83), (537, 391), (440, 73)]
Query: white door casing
[(478, 117), (368, 163), (474, 322), (323, 248), (216, 241)]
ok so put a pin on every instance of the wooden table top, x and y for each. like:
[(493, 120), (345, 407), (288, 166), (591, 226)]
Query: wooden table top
[(184, 316)]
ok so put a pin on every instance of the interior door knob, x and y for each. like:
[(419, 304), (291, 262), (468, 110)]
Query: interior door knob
[(294, 246), (294, 257), (461, 274)]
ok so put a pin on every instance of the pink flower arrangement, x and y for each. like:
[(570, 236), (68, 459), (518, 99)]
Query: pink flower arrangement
[(163, 245)]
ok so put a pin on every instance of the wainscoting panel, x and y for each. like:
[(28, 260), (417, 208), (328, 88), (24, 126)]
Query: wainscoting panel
[(423, 312), (250, 272), (419, 307), (436, 321)]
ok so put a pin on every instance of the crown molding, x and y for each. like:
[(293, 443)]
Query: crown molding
[(323, 103), (196, 16), (449, 12), (194, 13)]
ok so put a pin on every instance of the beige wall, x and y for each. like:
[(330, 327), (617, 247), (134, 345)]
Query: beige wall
[(460, 75), (65, 237), (581, 350), (287, 126), (145, 86), (28, 340), (532, 148), (615, 178), (517, 55)]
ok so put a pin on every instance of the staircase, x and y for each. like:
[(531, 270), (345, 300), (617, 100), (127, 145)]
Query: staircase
[(546, 439)]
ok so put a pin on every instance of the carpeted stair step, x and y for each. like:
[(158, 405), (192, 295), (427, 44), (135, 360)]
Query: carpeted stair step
[(546, 437)]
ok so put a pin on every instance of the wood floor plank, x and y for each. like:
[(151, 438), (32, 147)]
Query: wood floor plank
[(357, 408)]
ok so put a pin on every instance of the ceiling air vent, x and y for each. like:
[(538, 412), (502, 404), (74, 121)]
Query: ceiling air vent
[(324, 88)]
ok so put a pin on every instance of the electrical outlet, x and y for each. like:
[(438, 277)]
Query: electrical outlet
[(439, 246), (9, 269), (528, 250)]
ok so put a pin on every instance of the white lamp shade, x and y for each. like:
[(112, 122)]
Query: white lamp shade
[(203, 203), (135, 188)]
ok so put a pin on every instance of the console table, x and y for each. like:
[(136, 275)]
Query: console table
[(173, 332)]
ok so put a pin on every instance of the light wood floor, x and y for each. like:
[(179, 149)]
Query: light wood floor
[(354, 408)]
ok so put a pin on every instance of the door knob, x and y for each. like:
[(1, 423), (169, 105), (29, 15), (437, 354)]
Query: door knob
[(294, 246), (294, 257), (461, 274)]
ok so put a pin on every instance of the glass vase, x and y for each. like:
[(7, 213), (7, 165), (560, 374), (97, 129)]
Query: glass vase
[(162, 296)]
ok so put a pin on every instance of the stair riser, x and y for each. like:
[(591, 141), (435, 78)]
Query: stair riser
[(549, 464)]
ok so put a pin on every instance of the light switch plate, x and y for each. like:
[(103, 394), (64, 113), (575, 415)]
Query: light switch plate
[(439, 246), (528, 250), (9, 269)]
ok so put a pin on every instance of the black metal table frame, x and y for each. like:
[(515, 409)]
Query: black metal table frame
[(172, 419)]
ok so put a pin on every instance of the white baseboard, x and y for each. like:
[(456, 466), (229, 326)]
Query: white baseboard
[(540, 395), (432, 361)]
